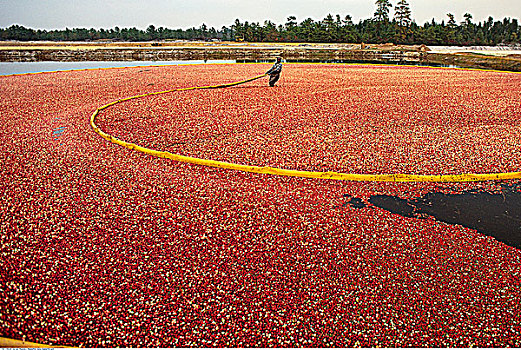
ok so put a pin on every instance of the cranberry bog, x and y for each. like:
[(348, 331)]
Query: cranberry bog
[(104, 246)]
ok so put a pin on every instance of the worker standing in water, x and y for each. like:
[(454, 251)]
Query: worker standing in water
[(274, 71)]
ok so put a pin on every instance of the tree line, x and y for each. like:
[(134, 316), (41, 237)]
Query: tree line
[(386, 25)]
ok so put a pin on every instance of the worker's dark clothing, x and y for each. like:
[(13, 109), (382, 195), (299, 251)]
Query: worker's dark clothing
[(274, 73), (274, 78)]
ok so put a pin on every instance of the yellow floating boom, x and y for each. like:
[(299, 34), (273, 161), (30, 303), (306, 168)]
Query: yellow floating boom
[(331, 175)]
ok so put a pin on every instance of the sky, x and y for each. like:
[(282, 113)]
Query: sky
[(59, 14)]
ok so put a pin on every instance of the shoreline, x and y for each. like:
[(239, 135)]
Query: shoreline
[(175, 51)]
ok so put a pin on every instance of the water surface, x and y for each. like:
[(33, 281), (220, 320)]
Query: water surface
[(8, 68)]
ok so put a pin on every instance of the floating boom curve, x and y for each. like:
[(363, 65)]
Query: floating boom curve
[(331, 175)]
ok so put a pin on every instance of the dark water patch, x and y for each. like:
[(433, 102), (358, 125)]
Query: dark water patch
[(493, 214), (395, 205), (354, 202)]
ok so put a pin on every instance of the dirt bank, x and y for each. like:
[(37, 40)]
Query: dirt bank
[(30, 52), (474, 60)]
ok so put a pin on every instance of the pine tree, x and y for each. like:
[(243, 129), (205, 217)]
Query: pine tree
[(468, 20), (382, 10), (402, 14), (450, 33), (452, 22)]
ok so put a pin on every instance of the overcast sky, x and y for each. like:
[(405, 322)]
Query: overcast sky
[(58, 14)]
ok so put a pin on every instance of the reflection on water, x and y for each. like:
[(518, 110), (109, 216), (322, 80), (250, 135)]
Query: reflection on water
[(7, 68)]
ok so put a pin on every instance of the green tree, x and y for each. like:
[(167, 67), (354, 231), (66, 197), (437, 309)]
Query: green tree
[(402, 16), (348, 21), (290, 29), (270, 31), (291, 23), (383, 31), (238, 30), (306, 29), (452, 22), (382, 10), (151, 32), (468, 19), (468, 29), (204, 31), (330, 28)]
